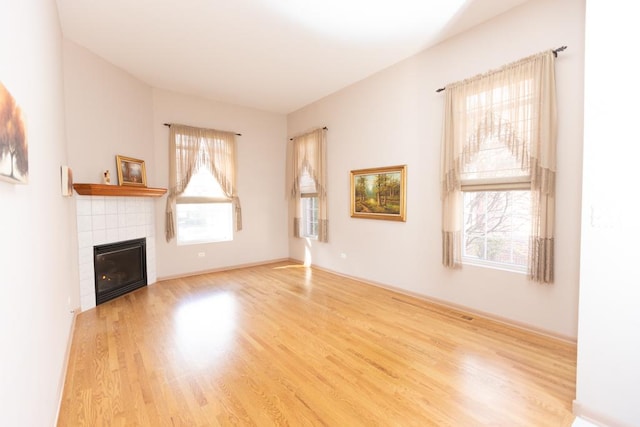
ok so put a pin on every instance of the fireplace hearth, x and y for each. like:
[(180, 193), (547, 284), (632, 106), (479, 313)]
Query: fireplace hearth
[(120, 268)]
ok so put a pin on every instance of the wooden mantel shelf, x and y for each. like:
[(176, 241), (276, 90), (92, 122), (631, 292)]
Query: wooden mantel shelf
[(117, 190)]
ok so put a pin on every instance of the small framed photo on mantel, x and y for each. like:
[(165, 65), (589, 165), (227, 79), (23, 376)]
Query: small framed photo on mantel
[(131, 171)]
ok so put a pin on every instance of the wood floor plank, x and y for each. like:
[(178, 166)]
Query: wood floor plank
[(286, 345)]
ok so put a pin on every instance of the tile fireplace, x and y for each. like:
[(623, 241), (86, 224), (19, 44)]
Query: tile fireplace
[(103, 220)]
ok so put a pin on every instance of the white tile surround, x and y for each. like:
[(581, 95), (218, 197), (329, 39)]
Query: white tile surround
[(102, 220)]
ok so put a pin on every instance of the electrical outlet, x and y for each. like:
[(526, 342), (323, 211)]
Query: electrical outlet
[(343, 255), (200, 254)]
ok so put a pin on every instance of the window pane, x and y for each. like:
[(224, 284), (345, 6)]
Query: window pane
[(203, 184), (204, 222), (307, 184), (493, 160), (310, 217), (496, 227)]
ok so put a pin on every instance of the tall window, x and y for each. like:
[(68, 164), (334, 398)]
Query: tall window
[(308, 206), (496, 197), (309, 217), (498, 169), (202, 186), (308, 185)]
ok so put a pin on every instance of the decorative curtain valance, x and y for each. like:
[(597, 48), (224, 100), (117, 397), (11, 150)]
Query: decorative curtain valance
[(309, 164), (309, 157), (513, 109), (191, 148)]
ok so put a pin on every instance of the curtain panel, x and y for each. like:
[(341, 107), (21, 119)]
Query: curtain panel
[(513, 108), (309, 161), (191, 148)]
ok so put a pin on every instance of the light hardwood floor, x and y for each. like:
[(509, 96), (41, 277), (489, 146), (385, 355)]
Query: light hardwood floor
[(282, 344)]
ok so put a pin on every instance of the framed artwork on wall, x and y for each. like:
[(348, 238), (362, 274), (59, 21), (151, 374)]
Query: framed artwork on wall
[(131, 171), (14, 149), (379, 193)]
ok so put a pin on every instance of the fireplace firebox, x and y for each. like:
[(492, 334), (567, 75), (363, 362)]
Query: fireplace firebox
[(120, 268)]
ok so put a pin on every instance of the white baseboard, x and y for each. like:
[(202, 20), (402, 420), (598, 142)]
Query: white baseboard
[(581, 422), (65, 365), (226, 268), (587, 417)]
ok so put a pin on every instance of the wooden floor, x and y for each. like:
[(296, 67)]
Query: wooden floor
[(286, 345)]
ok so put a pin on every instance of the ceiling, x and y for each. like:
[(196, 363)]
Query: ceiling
[(272, 55)]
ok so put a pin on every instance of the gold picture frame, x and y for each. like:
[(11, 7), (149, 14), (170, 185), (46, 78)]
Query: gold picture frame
[(131, 171), (379, 193), (14, 147)]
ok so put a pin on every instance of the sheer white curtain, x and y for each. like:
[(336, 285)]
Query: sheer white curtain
[(510, 110), (309, 164), (191, 148)]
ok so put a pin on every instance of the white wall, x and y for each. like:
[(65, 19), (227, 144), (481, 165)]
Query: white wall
[(109, 112), (35, 251), (395, 117), (261, 170), (608, 377)]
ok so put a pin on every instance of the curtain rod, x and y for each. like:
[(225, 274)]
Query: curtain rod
[(324, 127), (235, 133), (555, 53)]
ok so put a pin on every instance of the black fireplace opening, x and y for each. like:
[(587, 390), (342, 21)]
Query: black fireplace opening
[(120, 268)]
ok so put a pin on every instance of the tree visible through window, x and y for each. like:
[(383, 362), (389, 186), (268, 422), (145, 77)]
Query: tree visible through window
[(496, 228)]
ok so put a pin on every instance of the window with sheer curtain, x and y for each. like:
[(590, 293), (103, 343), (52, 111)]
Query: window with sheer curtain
[(202, 186), (308, 185), (498, 168), (308, 209)]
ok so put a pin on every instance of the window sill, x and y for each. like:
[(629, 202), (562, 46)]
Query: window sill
[(494, 265)]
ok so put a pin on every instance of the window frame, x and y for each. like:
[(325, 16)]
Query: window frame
[(194, 201), (307, 222), (217, 239), (495, 184), (482, 262)]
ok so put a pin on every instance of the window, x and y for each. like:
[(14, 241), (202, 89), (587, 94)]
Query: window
[(308, 206), (202, 186), (496, 208), (498, 168), (309, 217), (204, 214), (308, 185)]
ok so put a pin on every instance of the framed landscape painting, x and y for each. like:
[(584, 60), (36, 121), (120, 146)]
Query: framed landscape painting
[(379, 193)]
